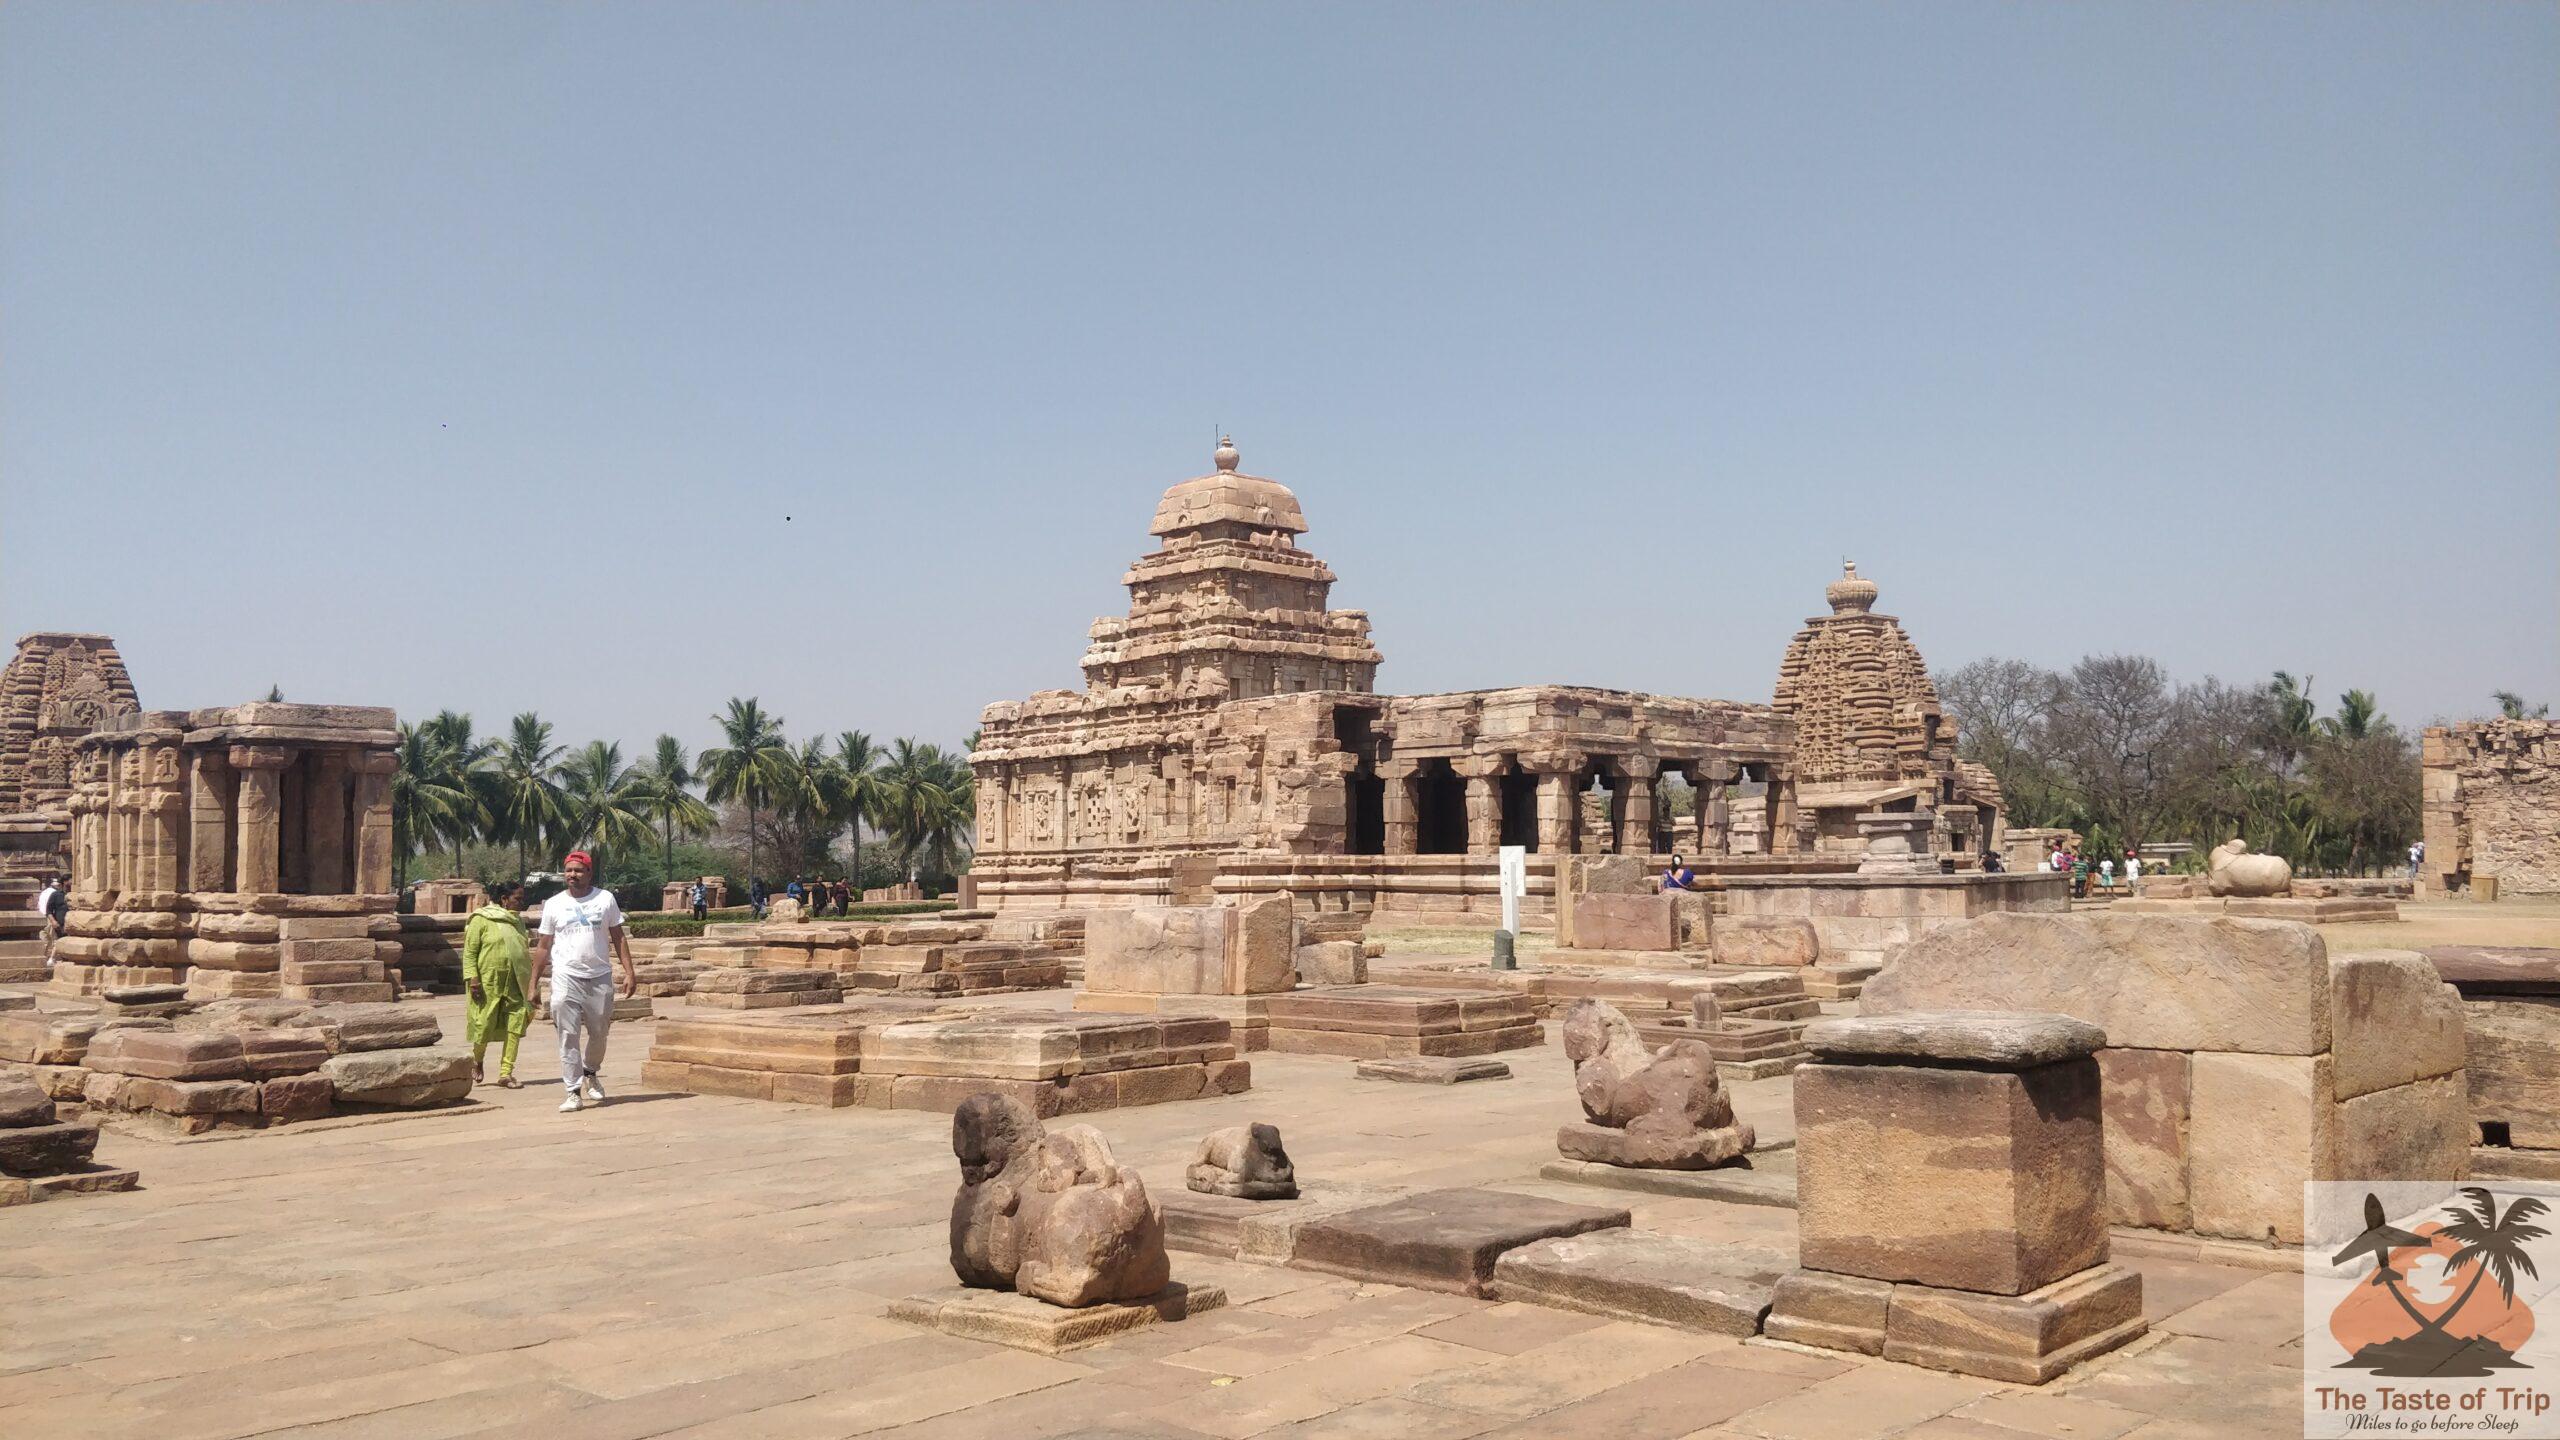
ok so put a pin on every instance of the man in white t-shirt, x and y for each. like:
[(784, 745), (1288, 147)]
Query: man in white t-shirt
[(2132, 871), (571, 942)]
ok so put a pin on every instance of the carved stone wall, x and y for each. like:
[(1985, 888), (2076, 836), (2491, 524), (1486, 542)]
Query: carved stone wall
[(57, 688), (2491, 796)]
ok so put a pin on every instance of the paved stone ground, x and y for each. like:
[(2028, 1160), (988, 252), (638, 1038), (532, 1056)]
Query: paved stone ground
[(703, 1267)]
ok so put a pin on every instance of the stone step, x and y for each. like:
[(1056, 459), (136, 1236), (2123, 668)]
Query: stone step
[(1446, 1240), (1676, 1280), (374, 992)]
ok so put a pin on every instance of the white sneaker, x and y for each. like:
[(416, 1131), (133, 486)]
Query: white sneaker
[(595, 1090), (572, 1105)]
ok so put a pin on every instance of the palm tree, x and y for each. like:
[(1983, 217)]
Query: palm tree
[(2357, 713), (665, 782), (606, 806), (753, 768), (2511, 706), (2492, 1244), (425, 794), (859, 789), (928, 805), (2292, 721), (470, 758), (527, 805)]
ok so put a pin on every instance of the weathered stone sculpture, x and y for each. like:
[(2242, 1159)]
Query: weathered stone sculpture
[(2232, 870), (1657, 1110), (1244, 1161), (1049, 1214)]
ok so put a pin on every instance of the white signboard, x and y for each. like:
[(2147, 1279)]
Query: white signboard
[(1515, 883)]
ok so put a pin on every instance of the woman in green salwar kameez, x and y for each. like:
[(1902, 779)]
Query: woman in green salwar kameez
[(497, 966)]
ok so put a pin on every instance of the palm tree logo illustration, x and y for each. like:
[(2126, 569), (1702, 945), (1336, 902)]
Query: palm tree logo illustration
[(2374, 1323)]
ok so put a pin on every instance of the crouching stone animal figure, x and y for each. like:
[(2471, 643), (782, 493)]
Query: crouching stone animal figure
[(1245, 1161), (1049, 1214), (1656, 1109), (2232, 870)]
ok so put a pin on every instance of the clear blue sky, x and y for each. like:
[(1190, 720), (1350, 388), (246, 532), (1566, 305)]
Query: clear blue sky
[(473, 356)]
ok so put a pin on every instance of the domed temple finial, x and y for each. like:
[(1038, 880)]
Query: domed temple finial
[(1225, 454), (1850, 594)]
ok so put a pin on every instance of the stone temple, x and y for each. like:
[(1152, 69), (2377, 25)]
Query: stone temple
[(57, 688), (1230, 741)]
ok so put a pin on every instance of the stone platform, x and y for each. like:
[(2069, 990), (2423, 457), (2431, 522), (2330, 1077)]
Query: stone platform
[(802, 1054), (2309, 910), (1248, 1017), (2023, 1339), (1673, 1280), (1369, 1022), (1001, 1317), (1446, 1240), (1432, 1070), (1055, 1064), (1262, 1231)]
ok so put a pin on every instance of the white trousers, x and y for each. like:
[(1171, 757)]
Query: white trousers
[(583, 1012)]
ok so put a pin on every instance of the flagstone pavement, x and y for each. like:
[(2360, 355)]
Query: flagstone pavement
[(672, 1265)]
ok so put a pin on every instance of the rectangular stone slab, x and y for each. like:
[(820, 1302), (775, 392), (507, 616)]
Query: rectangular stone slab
[(1040, 1046), (1001, 1317), (1446, 1240), (1398, 1010), (1431, 1070), (2023, 1339), (1638, 1275)]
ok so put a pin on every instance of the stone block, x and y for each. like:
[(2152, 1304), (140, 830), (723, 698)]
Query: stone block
[(361, 1027), (2514, 1069), (266, 1053), (324, 927), (1834, 1312), (47, 1149), (1001, 1317), (168, 1054), (2144, 1096), (1992, 1039), (332, 972), (1446, 1240), (1626, 922), (1626, 1274), (1759, 940), (288, 1098), (171, 1097), (2258, 1126), (38, 1039), (2392, 1020), (2418, 1131), (2022, 1339), (2150, 982), (1970, 1179), (355, 950), (400, 1078), (1332, 962), (1264, 958), (22, 1103), (1431, 1070)]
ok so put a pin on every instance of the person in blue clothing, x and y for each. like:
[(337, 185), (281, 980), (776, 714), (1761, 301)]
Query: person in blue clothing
[(1679, 876)]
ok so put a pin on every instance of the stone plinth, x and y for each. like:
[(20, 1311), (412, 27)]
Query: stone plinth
[(2511, 1025), (1000, 1317), (1053, 1064), (804, 1055), (1690, 1284), (2243, 1058), (1246, 949), (745, 989), (1897, 843), (1380, 1021), (1861, 918), (1951, 1184)]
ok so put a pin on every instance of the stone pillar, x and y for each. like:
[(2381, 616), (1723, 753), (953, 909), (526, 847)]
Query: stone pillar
[(1483, 774), (324, 823), (163, 804), (1782, 814), (1951, 1174), (260, 815), (1557, 802), (372, 802), (1715, 808), (1402, 827), (1634, 804), (209, 819)]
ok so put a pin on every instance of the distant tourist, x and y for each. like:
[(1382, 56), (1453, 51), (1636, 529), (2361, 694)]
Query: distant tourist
[(1991, 863), (576, 925), (2132, 869), (756, 896), (2107, 874), (51, 896), (844, 898), (1679, 876), (700, 895), (796, 890), (2417, 857), (497, 975), (2079, 875)]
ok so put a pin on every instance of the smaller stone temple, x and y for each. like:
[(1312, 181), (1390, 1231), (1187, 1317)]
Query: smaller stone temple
[(202, 841), (58, 687), (1870, 735)]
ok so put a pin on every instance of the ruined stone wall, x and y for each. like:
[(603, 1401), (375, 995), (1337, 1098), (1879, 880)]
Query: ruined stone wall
[(2491, 792)]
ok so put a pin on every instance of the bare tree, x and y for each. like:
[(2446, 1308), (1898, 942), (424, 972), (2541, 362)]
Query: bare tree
[(2001, 708), (2112, 724)]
